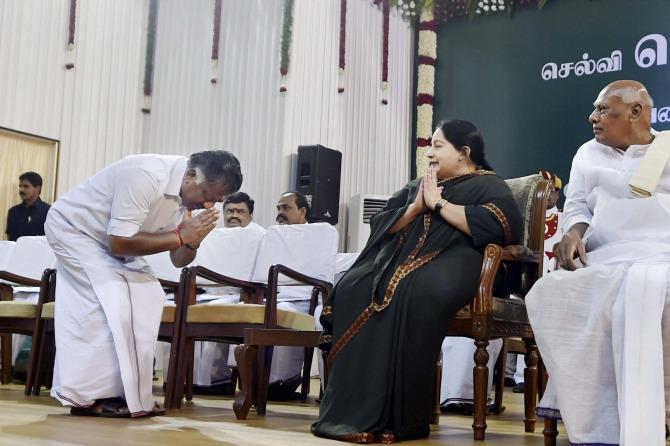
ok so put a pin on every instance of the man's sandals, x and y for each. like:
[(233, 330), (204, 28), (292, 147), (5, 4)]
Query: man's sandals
[(113, 408)]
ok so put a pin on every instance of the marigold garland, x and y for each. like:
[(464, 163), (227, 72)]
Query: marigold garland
[(386, 9), (286, 38), (343, 41), (69, 61), (150, 55), (216, 34), (425, 87)]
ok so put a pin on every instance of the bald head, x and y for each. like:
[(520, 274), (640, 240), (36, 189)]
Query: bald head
[(622, 114)]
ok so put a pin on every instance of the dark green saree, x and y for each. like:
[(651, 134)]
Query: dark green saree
[(387, 317)]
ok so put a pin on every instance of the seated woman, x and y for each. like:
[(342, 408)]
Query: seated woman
[(386, 319)]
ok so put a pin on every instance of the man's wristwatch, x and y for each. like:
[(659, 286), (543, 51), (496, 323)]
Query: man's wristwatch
[(439, 205)]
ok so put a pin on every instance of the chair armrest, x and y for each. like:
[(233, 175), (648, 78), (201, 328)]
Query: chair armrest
[(519, 253), (18, 280), (302, 278), (201, 271), (483, 301), (169, 284), (273, 281)]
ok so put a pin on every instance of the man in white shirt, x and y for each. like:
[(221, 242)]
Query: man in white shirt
[(238, 212), (108, 303), (285, 373), (601, 322)]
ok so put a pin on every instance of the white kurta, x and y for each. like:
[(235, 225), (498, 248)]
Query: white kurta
[(599, 328), (108, 308)]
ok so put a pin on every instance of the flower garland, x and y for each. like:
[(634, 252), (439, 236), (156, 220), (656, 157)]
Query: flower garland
[(386, 9), (343, 41), (286, 38), (449, 10), (69, 58), (215, 41), (425, 88), (150, 55)]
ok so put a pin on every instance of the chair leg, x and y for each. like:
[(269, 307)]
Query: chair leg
[(306, 371), (550, 432), (245, 356), (6, 372), (35, 353), (498, 408), (263, 378), (190, 361), (481, 376), (530, 384), (435, 418)]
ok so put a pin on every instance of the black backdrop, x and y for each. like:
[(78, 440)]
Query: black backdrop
[(489, 71)]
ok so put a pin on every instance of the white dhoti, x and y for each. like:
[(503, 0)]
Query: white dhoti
[(599, 329), (106, 323), (457, 363)]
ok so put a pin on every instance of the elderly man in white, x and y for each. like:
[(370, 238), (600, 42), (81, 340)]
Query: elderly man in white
[(601, 322), (108, 303)]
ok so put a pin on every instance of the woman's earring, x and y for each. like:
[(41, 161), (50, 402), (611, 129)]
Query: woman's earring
[(460, 158)]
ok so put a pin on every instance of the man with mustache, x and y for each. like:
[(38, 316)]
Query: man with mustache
[(292, 209), (285, 374), (27, 218), (238, 211)]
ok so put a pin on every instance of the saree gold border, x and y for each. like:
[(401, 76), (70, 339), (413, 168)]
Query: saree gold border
[(368, 437), (500, 216), (400, 273)]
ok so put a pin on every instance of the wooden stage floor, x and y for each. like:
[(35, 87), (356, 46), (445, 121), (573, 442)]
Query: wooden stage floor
[(210, 421)]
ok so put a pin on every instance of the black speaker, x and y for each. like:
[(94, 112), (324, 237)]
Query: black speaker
[(318, 179)]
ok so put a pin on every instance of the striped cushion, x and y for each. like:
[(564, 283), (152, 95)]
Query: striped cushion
[(247, 314)]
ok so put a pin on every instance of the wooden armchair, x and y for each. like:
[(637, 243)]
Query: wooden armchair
[(22, 266), (43, 351), (254, 362), (489, 317)]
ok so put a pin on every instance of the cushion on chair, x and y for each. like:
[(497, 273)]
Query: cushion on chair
[(169, 312), (524, 190), (17, 309), (246, 314), (48, 310)]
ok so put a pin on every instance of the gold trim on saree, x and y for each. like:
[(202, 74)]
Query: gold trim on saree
[(410, 264), (500, 216)]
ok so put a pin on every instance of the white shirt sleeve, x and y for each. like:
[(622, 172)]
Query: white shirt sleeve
[(576, 210), (136, 190)]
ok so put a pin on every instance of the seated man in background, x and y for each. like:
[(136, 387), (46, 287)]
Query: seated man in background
[(212, 360), (238, 211), (27, 217), (601, 323), (285, 374), (108, 303)]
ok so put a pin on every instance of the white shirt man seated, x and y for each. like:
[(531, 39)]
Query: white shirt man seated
[(212, 360), (601, 322), (287, 362)]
